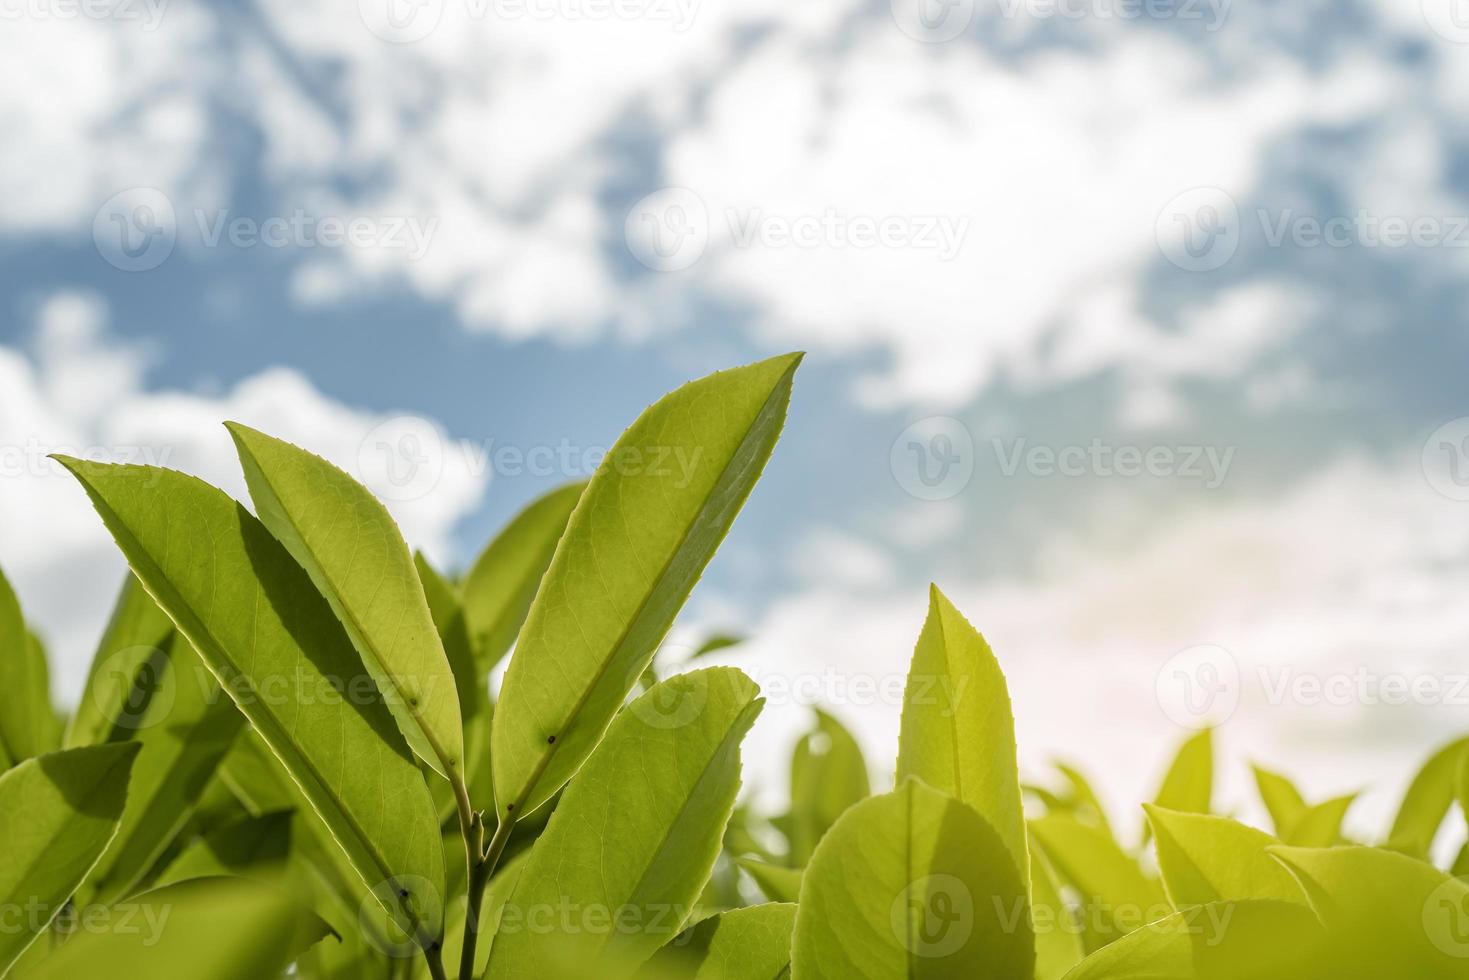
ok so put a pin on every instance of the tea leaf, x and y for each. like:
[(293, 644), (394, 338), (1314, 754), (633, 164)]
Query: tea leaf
[(248, 847), (913, 884), (57, 814), (958, 728), (636, 833), (348, 543), (187, 729), (131, 646), (1207, 859), (279, 652), (828, 775), (203, 929), (742, 944), (1116, 895), (1058, 941), (1427, 801), (28, 725), (779, 884), (1188, 786), (1320, 825), (501, 585), (644, 529), (1281, 798)]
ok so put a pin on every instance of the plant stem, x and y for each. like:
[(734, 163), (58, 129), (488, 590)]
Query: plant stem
[(479, 876), (435, 957)]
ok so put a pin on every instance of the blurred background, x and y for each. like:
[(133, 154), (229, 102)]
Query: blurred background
[(1137, 325)]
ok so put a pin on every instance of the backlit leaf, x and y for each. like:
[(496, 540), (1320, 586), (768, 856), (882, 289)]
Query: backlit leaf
[(741, 944)]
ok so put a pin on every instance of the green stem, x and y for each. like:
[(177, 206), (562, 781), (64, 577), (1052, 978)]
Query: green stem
[(435, 956), (480, 871)]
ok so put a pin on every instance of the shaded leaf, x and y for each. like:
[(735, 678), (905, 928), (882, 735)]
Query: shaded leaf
[(828, 775), (741, 944), (28, 725), (57, 814), (1116, 896), (121, 678), (247, 847), (779, 884)]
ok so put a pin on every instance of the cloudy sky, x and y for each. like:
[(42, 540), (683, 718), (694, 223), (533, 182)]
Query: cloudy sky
[(1138, 325)]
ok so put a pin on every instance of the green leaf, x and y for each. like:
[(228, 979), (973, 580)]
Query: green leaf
[(779, 884), (958, 728), (716, 643), (1388, 914), (635, 835), (1084, 800), (1188, 786), (347, 542), (120, 680), (277, 650), (828, 775), (28, 725), (1427, 801), (645, 528), (57, 814), (913, 884), (1281, 798), (186, 730), (499, 589), (1058, 939), (1116, 896), (741, 944), (247, 847), (204, 929), (1320, 825), (1220, 941), (1207, 859)]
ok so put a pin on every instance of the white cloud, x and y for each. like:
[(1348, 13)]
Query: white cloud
[(83, 394), (1359, 567)]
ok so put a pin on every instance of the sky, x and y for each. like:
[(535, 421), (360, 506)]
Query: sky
[(1135, 325)]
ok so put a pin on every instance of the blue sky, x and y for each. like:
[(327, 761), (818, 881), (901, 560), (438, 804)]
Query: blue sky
[(1228, 235)]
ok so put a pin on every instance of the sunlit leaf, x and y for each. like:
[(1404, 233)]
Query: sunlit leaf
[(279, 652), (1116, 895), (640, 536), (123, 672), (1281, 798), (1058, 939), (247, 847), (1427, 801), (347, 542), (28, 724), (958, 728), (1207, 859), (1320, 825), (779, 884), (913, 884)]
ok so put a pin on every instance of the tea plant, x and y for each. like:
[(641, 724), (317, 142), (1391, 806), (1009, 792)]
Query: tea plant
[(287, 761)]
